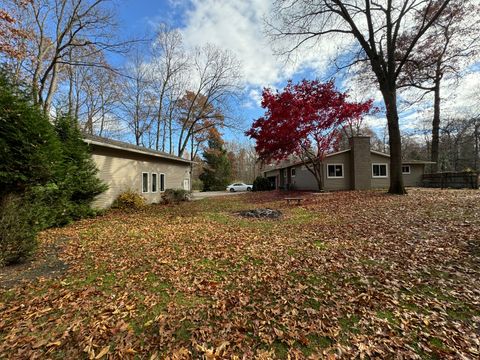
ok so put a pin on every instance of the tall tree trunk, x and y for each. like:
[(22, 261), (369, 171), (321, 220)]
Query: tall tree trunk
[(477, 143), (436, 123), (316, 170), (395, 142), (70, 92), (51, 90)]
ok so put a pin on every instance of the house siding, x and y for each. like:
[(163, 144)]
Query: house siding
[(380, 183), (122, 170), (304, 179), (332, 184), (415, 176)]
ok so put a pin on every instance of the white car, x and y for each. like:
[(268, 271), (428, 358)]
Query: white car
[(239, 187)]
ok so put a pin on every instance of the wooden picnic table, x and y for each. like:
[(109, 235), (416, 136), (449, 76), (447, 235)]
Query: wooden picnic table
[(298, 200)]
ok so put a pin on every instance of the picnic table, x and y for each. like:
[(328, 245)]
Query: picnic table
[(297, 200)]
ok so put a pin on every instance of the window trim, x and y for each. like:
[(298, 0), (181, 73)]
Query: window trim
[(160, 182), (156, 182), (293, 172), (285, 173), (336, 177), (380, 176), (409, 170), (148, 182)]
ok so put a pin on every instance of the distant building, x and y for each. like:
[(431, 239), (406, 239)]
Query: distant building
[(357, 168), (124, 166)]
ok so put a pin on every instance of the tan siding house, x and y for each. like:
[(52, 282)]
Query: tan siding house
[(124, 167), (358, 168)]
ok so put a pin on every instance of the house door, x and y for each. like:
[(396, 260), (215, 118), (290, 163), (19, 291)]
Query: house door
[(186, 184)]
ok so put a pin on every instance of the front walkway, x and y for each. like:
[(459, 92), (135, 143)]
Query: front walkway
[(208, 194)]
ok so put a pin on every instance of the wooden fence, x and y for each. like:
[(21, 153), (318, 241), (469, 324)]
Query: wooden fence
[(456, 180)]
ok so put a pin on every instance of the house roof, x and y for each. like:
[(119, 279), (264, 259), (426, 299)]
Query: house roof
[(120, 145), (406, 162)]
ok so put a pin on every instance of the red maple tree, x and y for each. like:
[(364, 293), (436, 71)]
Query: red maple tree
[(304, 120)]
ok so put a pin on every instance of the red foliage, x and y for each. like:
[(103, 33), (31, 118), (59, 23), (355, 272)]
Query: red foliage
[(304, 116)]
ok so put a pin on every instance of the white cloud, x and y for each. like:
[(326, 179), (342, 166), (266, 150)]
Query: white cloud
[(239, 26)]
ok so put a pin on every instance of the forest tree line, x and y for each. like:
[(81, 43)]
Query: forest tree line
[(165, 96)]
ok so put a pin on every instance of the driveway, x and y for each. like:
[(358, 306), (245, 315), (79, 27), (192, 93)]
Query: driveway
[(208, 194)]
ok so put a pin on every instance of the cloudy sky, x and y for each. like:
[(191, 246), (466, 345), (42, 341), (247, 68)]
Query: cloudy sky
[(239, 27)]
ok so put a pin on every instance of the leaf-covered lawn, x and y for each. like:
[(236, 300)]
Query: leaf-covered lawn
[(345, 274)]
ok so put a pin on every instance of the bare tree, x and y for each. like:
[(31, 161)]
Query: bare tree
[(447, 49), (376, 28), (215, 80), (57, 27), (136, 100), (168, 61), (243, 159)]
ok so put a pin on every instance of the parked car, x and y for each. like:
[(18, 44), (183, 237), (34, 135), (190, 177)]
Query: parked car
[(239, 187)]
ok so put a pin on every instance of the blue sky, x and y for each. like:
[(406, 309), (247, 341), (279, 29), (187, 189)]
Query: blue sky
[(239, 27)]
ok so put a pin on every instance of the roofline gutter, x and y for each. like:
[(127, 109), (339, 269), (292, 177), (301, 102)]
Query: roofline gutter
[(111, 146)]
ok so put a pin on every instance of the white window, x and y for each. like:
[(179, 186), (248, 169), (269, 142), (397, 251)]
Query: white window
[(154, 183), (162, 182), (285, 172), (292, 172), (145, 182), (405, 169), (334, 171), (379, 170)]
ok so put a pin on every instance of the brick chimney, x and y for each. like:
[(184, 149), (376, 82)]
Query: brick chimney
[(361, 162)]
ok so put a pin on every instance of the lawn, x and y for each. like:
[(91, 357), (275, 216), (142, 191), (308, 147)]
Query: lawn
[(344, 275)]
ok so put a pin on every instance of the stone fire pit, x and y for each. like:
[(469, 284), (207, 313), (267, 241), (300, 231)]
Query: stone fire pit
[(260, 214)]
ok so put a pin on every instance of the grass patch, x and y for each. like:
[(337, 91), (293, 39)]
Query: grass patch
[(300, 216), (281, 349), (436, 343), (316, 343), (184, 332), (348, 324), (320, 245), (389, 316)]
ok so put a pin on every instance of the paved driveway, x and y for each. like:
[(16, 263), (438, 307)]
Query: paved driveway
[(208, 194)]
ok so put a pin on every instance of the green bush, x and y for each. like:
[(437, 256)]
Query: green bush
[(197, 184), (18, 230), (129, 200), (30, 151), (175, 196), (46, 166), (261, 184), (78, 184)]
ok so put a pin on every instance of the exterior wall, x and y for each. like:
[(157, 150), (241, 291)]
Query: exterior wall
[(344, 183), (415, 176), (122, 170), (304, 179), (379, 183)]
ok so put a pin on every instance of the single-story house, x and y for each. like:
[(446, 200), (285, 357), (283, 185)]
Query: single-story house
[(124, 166), (357, 168)]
